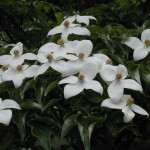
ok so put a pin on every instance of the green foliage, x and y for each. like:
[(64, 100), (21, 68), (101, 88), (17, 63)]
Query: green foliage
[(50, 122)]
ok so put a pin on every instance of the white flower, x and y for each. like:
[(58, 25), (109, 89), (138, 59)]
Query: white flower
[(60, 49), (83, 81), (127, 105), (117, 75), (141, 48), (18, 73), (5, 113), (80, 19), (16, 57), (48, 60), (67, 28)]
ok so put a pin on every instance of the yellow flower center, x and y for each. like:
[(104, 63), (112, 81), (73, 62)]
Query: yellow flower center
[(4, 67), (130, 101), (81, 55), (81, 77), (16, 52), (49, 57), (118, 76), (66, 23), (147, 42), (76, 12), (19, 68), (109, 61), (61, 42)]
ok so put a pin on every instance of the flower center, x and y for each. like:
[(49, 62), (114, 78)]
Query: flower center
[(66, 23), (19, 68), (49, 57), (76, 12), (147, 42), (16, 52), (4, 67), (81, 55), (61, 42), (81, 77), (130, 101), (118, 76), (109, 61)]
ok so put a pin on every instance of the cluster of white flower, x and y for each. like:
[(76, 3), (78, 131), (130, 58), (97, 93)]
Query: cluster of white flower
[(74, 61)]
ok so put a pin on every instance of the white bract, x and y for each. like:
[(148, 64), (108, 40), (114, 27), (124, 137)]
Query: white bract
[(9, 45), (16, 57), (116, 76), (5, 112), (67, 28), (103, 60), (127, 105), (80, 19), (82, 50), (141, 48), (18, 73), (83, 81)]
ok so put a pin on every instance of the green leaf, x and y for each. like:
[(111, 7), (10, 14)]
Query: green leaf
[(51, 87), (6, 86), (39, 92), (42, 132), (19, 120), (94, 29), (30, 105), (145, 76), (47, 120), (68, 125), (50, 103), (29, 84), (95, 119), (85, 131), (59, 17)]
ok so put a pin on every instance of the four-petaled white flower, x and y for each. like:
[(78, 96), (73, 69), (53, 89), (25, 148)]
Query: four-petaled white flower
[(80, 19), (16, 57), (127, 105), (18, 73), (67, 28), (116, 76), (83, 81), (48, 60), (5, 112), (141, 48)]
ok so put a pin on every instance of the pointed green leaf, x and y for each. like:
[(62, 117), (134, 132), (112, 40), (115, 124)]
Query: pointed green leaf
[(30, 105), (29, 84), (50, 103), (19, 120), (51, 87), (68, 125)]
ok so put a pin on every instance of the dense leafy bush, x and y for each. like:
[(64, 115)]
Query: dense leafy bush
[(57, 119)]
